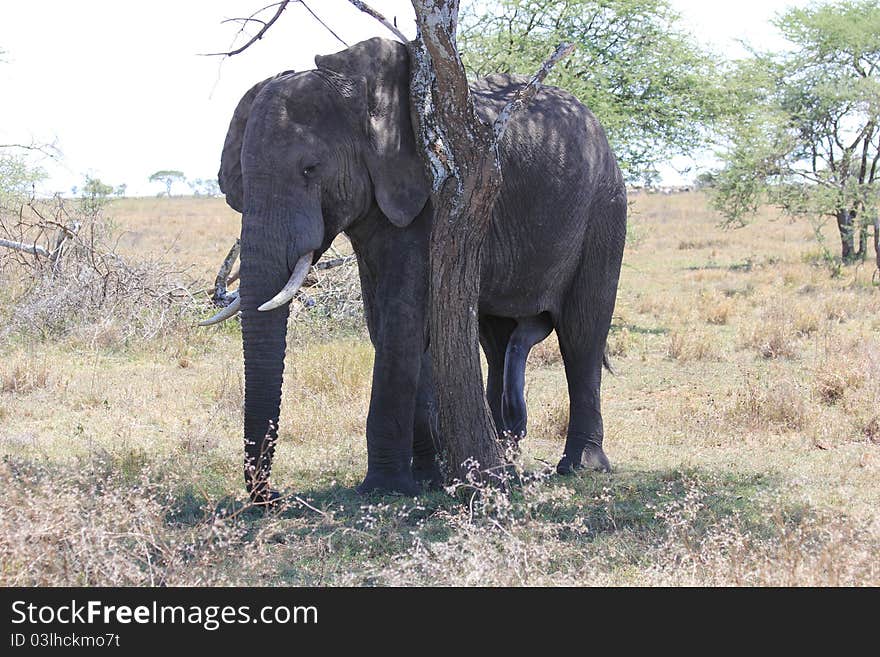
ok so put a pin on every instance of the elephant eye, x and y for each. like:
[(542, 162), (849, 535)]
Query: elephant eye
[(309, 170)]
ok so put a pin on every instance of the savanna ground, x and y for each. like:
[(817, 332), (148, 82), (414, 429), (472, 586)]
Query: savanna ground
[(743, 424)]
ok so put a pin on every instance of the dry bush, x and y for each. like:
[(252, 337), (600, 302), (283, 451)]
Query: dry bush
[(340, 368), (548, 416), (23, 377), (692, 345), (761, 403), (871, 429), (806, 320), (656, 306), (770, 547), (335, 293), (620, 343), (846, 378), (84, 287), (88, 526), (717, 309), (773, 335), (834, 378)]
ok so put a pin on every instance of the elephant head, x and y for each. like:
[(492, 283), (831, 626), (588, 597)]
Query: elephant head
[(307, 155)]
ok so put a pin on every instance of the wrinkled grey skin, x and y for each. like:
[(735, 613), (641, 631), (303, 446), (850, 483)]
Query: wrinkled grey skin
[(316, 153)]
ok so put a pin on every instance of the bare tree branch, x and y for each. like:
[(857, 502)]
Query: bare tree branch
[(526, 93), (259, 35), (335, 262), (367, 9), (49, 150), (33, 249), (244, 21), (327, 27), (219, 295)]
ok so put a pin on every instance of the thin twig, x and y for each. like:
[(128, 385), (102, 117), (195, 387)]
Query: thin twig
[(525, 94), (49, 150), (259, 35), (327, 27), (367, 9)]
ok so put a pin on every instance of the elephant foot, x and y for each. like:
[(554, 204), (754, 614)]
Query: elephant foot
[(427, 474), (384, 483), (591, 458)]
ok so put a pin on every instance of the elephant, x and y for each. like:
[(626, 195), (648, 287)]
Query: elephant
[(331, 150)]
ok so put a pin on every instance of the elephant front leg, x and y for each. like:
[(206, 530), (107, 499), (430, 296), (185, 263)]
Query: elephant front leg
[(391, 417)]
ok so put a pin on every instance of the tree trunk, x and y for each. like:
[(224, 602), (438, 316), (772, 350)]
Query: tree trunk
[(460, 152), (862, 253), (845, 226), (457, 236), (877, 240)]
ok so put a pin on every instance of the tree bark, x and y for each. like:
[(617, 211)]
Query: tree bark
[(877, 241), (845, 227), (862, 253)]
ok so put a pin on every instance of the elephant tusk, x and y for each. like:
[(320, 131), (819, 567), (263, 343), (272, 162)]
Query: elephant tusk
[(224, 313), (300, 270)]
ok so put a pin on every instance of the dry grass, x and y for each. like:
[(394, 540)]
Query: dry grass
[(686, 345), (743, 425), (23, 377)]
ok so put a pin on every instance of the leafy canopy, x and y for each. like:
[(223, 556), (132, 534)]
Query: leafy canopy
[(645, 79), (168, 177), (17, 177), (803, 130), (167, 174)]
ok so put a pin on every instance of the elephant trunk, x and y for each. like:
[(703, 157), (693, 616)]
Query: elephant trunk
[(278, 237), (264, 336), (264, 271)]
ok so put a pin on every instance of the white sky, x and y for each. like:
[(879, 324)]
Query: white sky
[(120, 87)]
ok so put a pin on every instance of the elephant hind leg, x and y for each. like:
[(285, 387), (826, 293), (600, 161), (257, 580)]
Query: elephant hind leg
[(495, 334), (583, 331), (529, 332)]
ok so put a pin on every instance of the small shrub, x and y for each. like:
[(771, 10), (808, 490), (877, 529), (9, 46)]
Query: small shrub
[(806, 320), (22, 379), (779, 403), (718, 310), (772, 336), (689, 345), (833, 380)]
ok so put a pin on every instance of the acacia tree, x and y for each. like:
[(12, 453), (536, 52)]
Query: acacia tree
[(634, 66), (168, 177), (804, 126)]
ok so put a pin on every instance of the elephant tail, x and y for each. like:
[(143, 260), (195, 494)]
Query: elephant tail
[(607, 363)]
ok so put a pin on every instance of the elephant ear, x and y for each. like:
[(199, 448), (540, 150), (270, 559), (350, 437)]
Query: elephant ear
[(229, 176), (398, 174)]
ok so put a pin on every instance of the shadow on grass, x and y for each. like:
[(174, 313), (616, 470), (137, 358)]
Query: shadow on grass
[(637, 502), (327, 533)]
